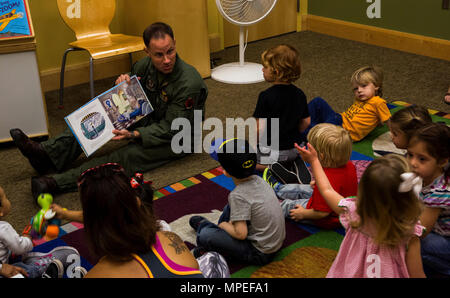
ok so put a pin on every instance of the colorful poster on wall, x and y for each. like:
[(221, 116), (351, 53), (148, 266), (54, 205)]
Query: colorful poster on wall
[(15, 19)]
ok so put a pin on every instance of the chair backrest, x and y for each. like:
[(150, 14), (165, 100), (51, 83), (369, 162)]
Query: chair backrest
[(87, 18)]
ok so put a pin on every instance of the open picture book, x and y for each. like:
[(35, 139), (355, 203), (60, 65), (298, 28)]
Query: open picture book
[(117, 108)]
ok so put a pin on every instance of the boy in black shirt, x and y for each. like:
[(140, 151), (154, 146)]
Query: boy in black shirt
[(287, 103)]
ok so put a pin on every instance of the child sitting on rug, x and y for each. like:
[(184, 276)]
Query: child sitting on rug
[(141, 188), (303, 202), (367, 112), (405, 122), (251, 228), (32, 265), (287, 103), (382, 222), (428, 154)]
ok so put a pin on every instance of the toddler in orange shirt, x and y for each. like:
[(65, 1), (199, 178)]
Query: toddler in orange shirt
[(367, 111)]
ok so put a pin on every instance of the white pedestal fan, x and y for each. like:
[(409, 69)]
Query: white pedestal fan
[(242, 13)]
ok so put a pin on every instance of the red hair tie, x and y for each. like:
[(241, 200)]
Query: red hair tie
[(138, 179)]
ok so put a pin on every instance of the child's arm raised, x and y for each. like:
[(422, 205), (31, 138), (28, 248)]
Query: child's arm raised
[(63, 213), (323, 184)]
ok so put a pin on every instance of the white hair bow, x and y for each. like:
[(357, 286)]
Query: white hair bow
[(410, 182)]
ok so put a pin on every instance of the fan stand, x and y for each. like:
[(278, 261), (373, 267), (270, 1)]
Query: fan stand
[(239, 72)]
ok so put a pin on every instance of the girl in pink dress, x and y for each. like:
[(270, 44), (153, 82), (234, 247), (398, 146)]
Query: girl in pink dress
[(382, 228)]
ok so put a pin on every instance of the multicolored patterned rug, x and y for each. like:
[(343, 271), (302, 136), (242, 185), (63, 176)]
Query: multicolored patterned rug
[(206, 194), (307, 251)]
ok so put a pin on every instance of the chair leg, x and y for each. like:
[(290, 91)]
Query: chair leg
[(91, 76), (131, 60), (61, 80)]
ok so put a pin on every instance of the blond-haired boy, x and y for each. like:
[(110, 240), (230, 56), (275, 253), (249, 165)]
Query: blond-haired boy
[(303, 202), (367, 111)]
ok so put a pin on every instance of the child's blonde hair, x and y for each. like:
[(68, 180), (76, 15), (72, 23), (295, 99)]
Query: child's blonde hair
[(381, 206), (333, 143), (369, 74), (283, 61), (410, 119)]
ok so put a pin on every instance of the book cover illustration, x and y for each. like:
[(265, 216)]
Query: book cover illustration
[(117, 108), (15, 21)]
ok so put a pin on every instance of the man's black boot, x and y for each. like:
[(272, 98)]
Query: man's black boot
[(32, 150)]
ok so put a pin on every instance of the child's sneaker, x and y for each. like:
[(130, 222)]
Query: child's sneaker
[(283, 175), (269, 178), (79, 272), (43, 260), (302, 171), (54, 270), (195, 221), (213, 265)]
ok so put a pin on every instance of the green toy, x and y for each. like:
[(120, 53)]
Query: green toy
[(44, 217)]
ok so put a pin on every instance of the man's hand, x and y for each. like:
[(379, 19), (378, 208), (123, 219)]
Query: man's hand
[(123, 78), (10, 270), (124, 134)]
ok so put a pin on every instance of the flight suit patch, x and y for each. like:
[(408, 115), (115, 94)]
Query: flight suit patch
[(164, 96), (150, 84), (189, 103)]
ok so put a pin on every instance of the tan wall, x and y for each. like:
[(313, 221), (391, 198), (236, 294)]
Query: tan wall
[(189, 22), (282, 19), (199, 29)]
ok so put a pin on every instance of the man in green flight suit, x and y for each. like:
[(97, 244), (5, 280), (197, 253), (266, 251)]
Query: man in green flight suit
[(175, 89)]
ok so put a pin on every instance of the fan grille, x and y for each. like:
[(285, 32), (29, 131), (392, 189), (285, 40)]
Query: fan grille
[(245, 11)]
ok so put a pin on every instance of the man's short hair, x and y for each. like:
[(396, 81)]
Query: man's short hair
[(156, 30)]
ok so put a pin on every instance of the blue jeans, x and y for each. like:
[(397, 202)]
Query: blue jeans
[(293, 194), (212, 238), (321, 112), (33, 270), (435, 250)]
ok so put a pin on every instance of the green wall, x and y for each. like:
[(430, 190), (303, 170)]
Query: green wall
[(423, 17)]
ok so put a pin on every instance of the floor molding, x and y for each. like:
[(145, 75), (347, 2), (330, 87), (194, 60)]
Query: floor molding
[(407, 42)]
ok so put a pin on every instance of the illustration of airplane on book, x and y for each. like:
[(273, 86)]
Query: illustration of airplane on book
[(6, 18)]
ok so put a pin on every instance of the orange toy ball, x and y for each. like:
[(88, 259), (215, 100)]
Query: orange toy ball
[(52, 231)]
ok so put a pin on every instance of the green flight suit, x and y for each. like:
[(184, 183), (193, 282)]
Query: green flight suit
[(174, 95)]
